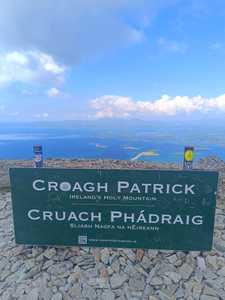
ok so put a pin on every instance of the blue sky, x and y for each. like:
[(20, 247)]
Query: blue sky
[(93, 59)]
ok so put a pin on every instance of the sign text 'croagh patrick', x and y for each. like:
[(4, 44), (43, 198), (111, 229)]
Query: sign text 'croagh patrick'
[(152, 209)]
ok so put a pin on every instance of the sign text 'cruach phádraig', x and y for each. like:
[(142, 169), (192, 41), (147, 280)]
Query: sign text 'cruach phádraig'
[(153, 209)]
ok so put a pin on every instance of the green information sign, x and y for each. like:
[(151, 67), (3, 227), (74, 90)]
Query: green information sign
[(151, 209)]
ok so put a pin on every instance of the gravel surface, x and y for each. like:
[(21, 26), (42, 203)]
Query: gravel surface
[(76, 273)]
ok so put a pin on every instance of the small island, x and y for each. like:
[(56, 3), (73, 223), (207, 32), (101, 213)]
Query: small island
[(149, 153), (98, 145), (130, 148)]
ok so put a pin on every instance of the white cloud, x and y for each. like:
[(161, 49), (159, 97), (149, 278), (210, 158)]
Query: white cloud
[(2, 108), (48, 63), (117, 106), (14, 114), (217, 103), (53, 92), (136, 36), (4, 112), (114, 103), (71, 30), (43, 115), (217, 46), (16, 57), (28, 67), (172, 46)]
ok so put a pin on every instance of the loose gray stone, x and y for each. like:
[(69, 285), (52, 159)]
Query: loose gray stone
[(57, 296), (206, 297), (116, 266), (46, 293), (146, 262), (137, 283), (89, 292), (75, 291), (175, 277), (15, 267), (3, 263), (221, 272), (24, 276), (185, 271), (172, 258), (6, 296), (50, 253), (130, 254), (164, 295), (209, 291), (117, 280), (180, 293), (105, 256), (156, 281), (34, 294), (219, 245), (151, 297), (211, 260), (61, 268), (197, 289), (108, 295), (201, 263), (152, 273)]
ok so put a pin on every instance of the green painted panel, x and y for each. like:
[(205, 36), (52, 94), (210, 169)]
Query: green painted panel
[(152, 209)]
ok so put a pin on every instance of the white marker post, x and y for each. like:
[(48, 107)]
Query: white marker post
[(188, 158), (38, 156)]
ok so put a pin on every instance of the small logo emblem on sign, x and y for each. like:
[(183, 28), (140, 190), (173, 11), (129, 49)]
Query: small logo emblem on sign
[(82, 240)]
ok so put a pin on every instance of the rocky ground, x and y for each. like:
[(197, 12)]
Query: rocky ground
[(72, 273)]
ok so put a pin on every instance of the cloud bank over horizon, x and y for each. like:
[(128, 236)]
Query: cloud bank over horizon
[(112, 106)]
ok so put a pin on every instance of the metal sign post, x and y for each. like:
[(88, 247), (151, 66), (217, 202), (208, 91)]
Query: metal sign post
[(188, 158), (38, 156)]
